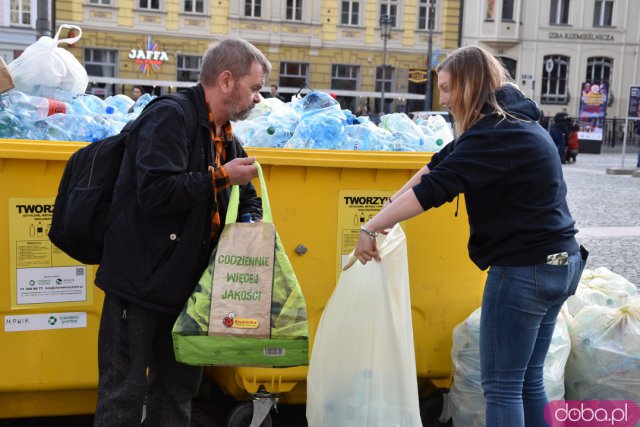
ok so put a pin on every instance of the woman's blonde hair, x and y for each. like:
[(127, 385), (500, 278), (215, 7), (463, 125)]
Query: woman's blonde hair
[(475, 75)]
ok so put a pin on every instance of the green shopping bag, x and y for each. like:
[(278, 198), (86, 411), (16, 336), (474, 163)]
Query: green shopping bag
[(248, 308)]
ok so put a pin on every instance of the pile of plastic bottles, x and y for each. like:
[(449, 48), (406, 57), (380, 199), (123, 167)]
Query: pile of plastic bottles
[(317, 122), (65, 116)]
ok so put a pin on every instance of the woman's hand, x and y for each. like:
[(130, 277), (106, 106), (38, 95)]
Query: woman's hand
[(365, 250)]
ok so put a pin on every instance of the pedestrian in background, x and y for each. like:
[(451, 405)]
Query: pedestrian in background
[(157, 248), (275, 94), (509, 170), (136, 92), (572, 145)]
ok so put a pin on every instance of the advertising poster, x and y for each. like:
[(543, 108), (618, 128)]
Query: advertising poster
[(41, 274), (634, 103), (593, 109)]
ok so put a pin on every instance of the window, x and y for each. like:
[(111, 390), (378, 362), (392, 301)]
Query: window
[(188, 68), (599, 69), (350, 14), (253, 8), (293, 74), (386, 78), (389, 7), (507, 10), (20, 12), (603, 13), (294, 10), (194, 6), (150, 4), (345, 77), (490, 6), (426, 15), (100, 2), (509, 64), (101, 62), (555, 70), (559, 13)]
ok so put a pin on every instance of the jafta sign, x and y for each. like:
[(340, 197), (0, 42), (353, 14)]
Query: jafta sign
[(149, 58)]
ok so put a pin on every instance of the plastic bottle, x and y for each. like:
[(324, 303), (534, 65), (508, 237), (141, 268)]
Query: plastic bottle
[(246, 217), (278, 137), (121, 103), (142, 102), (440, 128), (31, 108), (91, 104), (10, 125)]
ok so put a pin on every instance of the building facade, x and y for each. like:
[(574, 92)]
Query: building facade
[(18, 26), (561, 45), (329, 45)]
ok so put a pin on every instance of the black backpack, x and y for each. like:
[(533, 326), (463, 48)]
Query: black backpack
[(83, 209)]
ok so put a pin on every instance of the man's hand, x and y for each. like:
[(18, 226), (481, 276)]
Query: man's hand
[(241, 170)]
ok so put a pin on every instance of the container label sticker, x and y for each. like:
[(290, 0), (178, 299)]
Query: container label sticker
[(355, 208), (40, 272), (43, 322)]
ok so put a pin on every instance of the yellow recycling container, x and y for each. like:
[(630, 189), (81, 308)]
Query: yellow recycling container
[(49, 307), (319, 200), (51, 310)]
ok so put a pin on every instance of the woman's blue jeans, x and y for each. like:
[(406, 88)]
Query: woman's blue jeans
[(519, 311)]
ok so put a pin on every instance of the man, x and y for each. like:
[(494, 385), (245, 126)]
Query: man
[(136, 92), (275, 94), (157, 248)]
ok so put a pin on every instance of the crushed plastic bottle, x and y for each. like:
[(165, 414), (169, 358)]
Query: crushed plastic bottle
[(10, 125), (142, 102), (278, 136), (31, 108), (121, 103)]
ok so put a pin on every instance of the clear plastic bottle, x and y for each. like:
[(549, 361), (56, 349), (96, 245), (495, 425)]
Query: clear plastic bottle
[(121, 103), (10, 125), (278, 137), (31, 108)]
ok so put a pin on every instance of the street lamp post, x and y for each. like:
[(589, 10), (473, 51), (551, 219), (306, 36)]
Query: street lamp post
[(385, 33), (430, 23)]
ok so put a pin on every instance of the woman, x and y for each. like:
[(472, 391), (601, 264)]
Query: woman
[(508, 168)]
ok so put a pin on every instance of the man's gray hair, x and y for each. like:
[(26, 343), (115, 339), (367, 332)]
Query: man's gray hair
[(233, 54)]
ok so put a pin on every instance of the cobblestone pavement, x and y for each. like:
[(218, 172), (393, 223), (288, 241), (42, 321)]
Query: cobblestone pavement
[(607, 211)]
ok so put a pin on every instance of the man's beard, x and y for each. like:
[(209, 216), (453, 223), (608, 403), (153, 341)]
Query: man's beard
[(233, 104)]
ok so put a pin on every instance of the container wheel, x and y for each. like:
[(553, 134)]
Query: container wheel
[(430, 410), (241, 414)]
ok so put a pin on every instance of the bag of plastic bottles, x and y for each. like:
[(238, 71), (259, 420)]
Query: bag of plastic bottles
[(465, 401), (44, 67), (605, 353), (363, 369), (601, 287)]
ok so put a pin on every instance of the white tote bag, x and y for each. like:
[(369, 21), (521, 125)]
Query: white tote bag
[(363, 370)]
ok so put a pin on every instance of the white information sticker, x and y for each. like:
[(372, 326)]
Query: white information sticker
[(43, 322), (52, 284)]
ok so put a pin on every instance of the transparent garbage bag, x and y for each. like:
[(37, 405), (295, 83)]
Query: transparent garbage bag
[(465, 403), (44, 67), (362, 371), (605, 353), (601, 287)]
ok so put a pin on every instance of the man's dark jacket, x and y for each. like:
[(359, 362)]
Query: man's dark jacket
[(159, 245)]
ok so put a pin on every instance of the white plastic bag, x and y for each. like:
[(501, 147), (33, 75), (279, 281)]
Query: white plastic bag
[(44, 67), (601, 287), (362, 371), (605, 353), (465, 401)]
